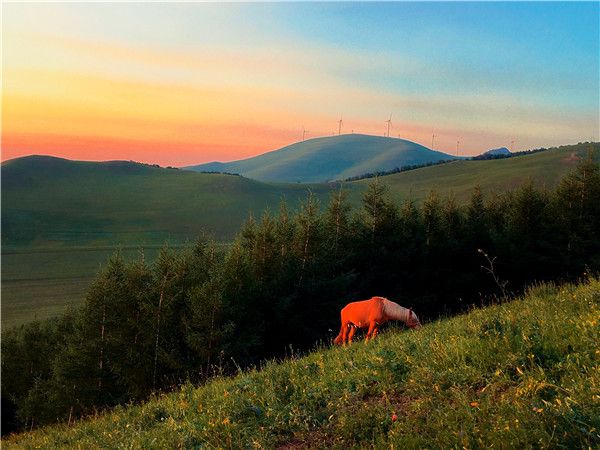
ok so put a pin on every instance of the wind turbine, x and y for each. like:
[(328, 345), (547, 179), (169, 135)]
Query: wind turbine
[(389, 124), (304, 131), (432, 139), (340, 122), (512, 145), (457, 144)]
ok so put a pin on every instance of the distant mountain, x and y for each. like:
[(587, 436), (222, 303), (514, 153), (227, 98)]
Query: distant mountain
[(502, 151), (328, 159)]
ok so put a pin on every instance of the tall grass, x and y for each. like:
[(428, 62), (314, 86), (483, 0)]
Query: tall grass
[(517, 375)]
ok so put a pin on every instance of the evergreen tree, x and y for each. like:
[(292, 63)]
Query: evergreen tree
[(338, 223), (525, 232), (308, 223), (578, 211)]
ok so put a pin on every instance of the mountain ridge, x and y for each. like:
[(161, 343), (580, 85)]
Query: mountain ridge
[(329, 158)]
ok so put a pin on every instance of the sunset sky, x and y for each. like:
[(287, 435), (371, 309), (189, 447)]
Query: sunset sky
[(186, 83)]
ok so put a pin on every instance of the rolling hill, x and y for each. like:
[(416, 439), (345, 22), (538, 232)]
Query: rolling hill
[(518, 375), (61, 219), (329, 158), (457, 178), (50, 201), (54, 202)]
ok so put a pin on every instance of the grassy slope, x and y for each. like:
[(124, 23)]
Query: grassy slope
[(544, 169), (51, 201), (330, 158), (523, 374), (43, 283), (61, 219)]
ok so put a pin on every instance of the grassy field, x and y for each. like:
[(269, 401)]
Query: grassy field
[(524, 374), (61, 219), (42, 283), (53, 202), (544, 169)]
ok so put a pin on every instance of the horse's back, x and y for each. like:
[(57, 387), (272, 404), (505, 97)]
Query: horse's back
[(362, 312)]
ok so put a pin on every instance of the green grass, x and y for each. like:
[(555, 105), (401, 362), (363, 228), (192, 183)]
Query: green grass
[(525, 374), (54, 202), (84, 211), (42, 283), (544, 169)]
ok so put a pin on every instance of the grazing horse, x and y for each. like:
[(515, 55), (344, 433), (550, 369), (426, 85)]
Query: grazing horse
[(372, 313)]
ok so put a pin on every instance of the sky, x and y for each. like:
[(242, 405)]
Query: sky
[(187, 83)]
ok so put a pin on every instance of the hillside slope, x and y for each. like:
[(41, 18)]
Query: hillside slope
[(518, 375), (329, 158), (457, 178), (61, 219), (48, 200)]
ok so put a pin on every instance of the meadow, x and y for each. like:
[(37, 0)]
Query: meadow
[(41, 283), (457, 178), (62, 219), (520, 374)]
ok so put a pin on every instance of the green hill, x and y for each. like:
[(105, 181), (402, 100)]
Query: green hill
[(329, 158), (61, 219), (524, 374), (50, 201), (544, 169)]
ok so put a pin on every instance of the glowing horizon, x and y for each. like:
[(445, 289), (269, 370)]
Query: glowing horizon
[(184, 84)]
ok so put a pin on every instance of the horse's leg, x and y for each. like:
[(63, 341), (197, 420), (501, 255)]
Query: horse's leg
[(375, 332), (345, 333), (372, 326), (351, 335), (339, 338)]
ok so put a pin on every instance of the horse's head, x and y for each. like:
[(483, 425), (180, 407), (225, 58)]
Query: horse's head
[(413, 321)]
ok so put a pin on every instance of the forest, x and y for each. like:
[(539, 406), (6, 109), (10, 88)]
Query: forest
[(208, 310)]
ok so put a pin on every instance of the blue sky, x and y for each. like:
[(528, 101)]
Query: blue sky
[(484, 73)]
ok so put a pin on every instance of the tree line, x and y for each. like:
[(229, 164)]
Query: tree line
[(404, 168), (147, 326), (483, 156)]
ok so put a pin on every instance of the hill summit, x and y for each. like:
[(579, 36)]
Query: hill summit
[(502, 151), (329, 158)]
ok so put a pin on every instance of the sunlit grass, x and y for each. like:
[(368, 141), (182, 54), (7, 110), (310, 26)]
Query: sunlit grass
[(522, 374)]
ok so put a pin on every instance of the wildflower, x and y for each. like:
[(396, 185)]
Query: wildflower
[(474, 404), (394, 417), (226, 421), (538, 410)]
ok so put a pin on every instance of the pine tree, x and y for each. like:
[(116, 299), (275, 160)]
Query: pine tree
[(337, 221), (376, 206), (578, 211), (308, 229)]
